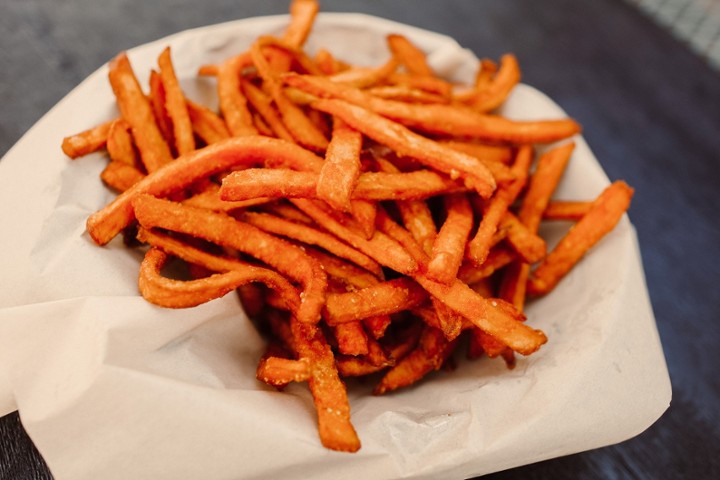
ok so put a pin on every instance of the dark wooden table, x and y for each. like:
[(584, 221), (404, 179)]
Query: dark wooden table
[(650, 111)]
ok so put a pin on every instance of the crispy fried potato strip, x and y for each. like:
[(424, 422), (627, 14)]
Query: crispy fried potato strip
[(602, 217)]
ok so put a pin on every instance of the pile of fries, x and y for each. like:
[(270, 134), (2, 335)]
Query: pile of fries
[(369, 218)]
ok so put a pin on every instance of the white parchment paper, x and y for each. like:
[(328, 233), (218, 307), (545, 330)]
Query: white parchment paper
[(111, 387)]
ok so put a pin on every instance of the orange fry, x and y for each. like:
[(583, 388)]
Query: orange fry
[(328, 391), (233, 103), (409, 55), (386, 224), (351, 338), (209, 198), (206, 124), (344, 271), (380, 299), (88, 141), (415, 214), (566, 210), (528, 245), (364, 77), (120, 176), (354, 366), (429, 84), (513, 284), (431, 352), (484, 152), (364, 212), (158, 102), (302, 16), (171, 293), (449, 247), (175, 105), (136, 110), (405, 94), (278, 371), (256, 182), (550, 167), (417, 218), (498, 257), (341, 168), (604, 214), (120, 146)]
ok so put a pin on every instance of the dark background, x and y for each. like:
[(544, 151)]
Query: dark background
[(650, 110)]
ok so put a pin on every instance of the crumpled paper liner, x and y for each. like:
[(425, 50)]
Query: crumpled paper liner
[(109, 386)]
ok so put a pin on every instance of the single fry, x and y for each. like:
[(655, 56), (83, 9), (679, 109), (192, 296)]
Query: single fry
[(364, 77), (492, 95), (88, 141), (351, 338), (341, 168), (566, 210), (328, 391), (483, 151), (171, 293), (120, 145), (543, 182), (208, 125), (441, 119), (529, 246), (158, 103), (409, 55), (498, 258), (277, 183), (278, 371), (120, 176), (513, 285), (176, 106), (449, 247), (209, 198), (430, 354), (604, 214), (380, 299), (302, 16), (233, 103)]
